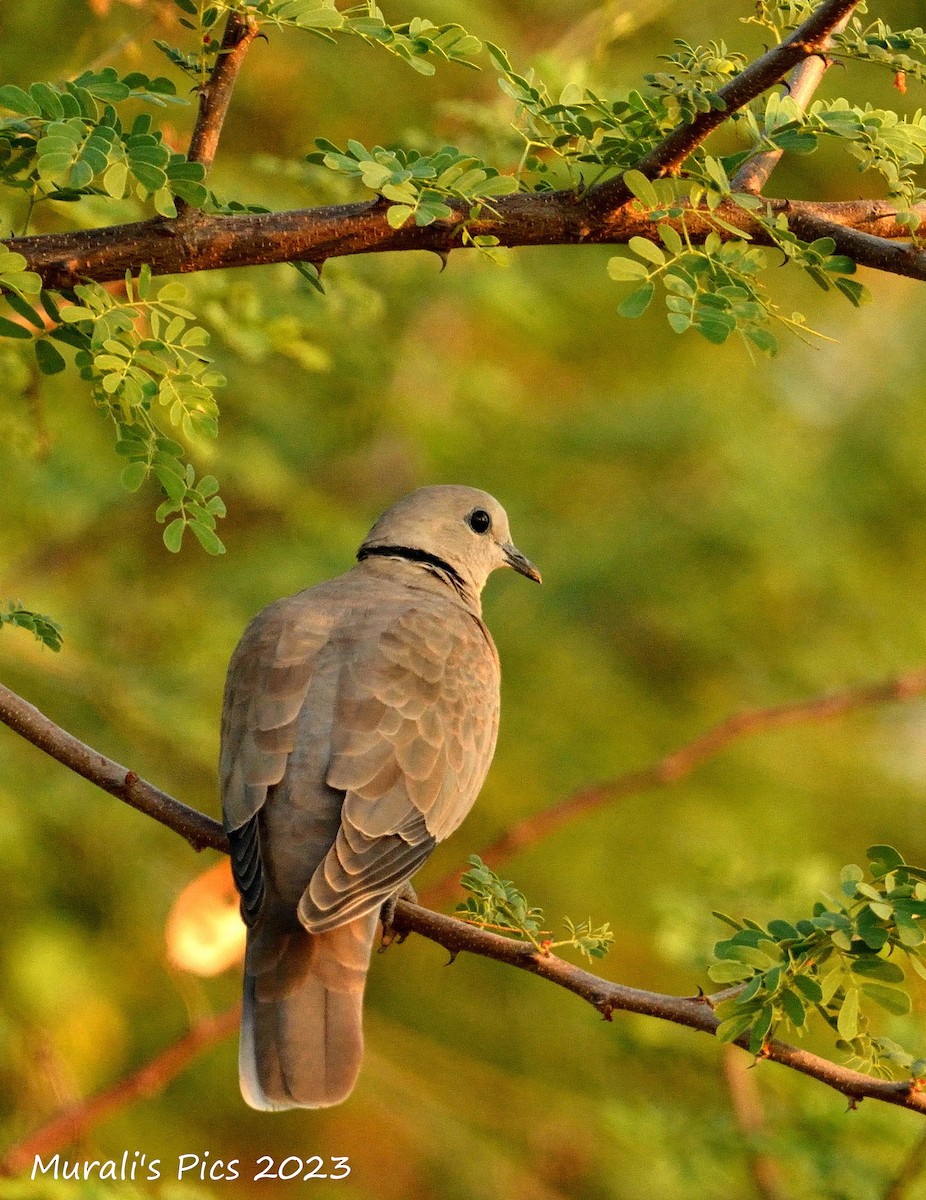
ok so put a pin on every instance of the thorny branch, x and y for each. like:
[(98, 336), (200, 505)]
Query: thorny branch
[(802, 83), (807, 40), (214, 98), (456, 936), (195, 241)]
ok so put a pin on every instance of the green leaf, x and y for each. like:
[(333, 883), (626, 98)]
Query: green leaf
[(173, 535), (809, 987), (50, 361), (626, 270), (728, 971), (793, 1008), (878, 968), (18, 101), (644, 248), (10, 329), (638, 301), (894, 1000), (398, 214), (208, 539), (730, 1030), (671, 239), (847, 1021), (641, 187), (134, 475), (883, 859)]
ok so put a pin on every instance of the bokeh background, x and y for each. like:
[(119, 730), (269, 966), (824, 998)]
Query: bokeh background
[(715, 533)]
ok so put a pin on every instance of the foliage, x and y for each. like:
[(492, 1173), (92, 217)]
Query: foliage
[(835, 963), (67, 141), (140, 354), (417, 185), (496, 904), (77, 142), (416, 42), (47, 631), (715, 534)]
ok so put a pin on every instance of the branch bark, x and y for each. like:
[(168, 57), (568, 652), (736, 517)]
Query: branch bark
[(199, 242), (214, 98), (314, 234), (26, 720)]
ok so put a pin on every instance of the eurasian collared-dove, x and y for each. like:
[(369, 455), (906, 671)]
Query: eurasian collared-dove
[(358, 725)]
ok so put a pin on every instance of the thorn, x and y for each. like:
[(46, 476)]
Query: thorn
[(443, 255), (452, 959), (606, 1008), (854, 1102), (262, 37)]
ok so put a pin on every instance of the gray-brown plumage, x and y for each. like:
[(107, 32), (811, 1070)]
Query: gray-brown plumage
[(359, 722)]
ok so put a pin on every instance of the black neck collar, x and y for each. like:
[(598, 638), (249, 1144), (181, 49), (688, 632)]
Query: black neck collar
[(418, 556)]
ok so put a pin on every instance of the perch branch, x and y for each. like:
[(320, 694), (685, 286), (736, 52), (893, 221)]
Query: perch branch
[(26, 720), (453, 935)]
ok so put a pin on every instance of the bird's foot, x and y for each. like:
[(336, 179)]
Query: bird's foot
[(387, 914)]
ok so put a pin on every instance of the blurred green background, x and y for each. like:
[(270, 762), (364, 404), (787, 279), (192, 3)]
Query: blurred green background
[(715, 533)]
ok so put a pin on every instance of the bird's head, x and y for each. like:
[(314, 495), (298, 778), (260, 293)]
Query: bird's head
[(460, 527)]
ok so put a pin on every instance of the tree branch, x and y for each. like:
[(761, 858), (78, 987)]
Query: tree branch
[(457, 936), (682, 762), (26, 720), (803, 82), (807, 40), (214, 98), (696, 1012), (74, 1121), (315, 234)]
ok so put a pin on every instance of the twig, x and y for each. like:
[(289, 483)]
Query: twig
[(693, 1012), (457, 936), (26, 720), (746, 1103), (803, 82), (665, 159), (681, 762), (240, 30), (75, 1120)]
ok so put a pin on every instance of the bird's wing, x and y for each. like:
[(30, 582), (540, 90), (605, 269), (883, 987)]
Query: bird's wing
[(416, 717), (268, 679)]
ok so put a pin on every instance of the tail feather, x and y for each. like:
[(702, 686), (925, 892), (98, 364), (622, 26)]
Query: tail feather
[(301, 1031)]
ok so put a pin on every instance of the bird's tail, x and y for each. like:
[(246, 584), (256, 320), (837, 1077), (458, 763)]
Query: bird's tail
[(301, 1030)]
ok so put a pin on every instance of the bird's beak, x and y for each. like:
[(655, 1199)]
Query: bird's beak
[(523, 566)]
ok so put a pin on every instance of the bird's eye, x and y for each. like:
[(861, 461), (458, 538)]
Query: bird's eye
[(479, 521)]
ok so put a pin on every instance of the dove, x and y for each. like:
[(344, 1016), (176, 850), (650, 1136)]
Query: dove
[(359, 721)]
